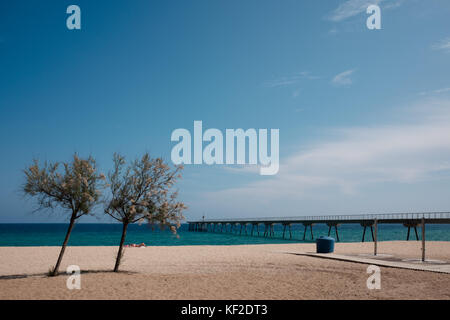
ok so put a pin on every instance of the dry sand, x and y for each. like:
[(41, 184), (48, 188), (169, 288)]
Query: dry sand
[(219, 272)]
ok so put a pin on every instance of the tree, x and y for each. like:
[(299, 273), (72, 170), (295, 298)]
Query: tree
[(74, 186), (141, 191)]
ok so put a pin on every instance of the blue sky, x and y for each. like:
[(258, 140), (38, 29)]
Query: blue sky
[(363, 114)]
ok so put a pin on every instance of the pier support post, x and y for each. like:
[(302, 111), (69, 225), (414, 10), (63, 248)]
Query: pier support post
[(285, 225), (376, 238), (366, 224), (411, 224), (335, 225), (310, 229), (268, 230), (423, 239)]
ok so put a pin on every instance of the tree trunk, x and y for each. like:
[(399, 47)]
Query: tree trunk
[(66, 240), (122, 240)]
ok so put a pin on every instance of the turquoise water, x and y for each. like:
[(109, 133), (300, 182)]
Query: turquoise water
[(109, 235)]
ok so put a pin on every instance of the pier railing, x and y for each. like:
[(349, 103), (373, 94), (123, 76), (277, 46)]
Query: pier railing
[(438, 216)]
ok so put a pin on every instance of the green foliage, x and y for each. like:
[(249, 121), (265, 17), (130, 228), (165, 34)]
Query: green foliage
[(142, 191), (74, 186)]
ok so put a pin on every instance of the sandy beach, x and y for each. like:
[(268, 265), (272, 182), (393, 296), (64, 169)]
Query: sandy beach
[(275, 271)]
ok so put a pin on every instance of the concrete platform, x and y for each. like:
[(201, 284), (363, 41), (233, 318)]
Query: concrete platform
[(388, 261)]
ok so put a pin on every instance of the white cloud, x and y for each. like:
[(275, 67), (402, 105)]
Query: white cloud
[(437, 91), (351, 8), (246, 168), (343, 78), (333, 30), (308, 75), (290, 80), (282, 82), (296, 93), (442, 45), (415, 151)]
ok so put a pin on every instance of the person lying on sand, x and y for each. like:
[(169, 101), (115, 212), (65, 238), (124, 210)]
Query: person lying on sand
[(133, 245)]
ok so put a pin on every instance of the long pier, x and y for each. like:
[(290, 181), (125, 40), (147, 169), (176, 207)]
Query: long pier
[(239, 225)]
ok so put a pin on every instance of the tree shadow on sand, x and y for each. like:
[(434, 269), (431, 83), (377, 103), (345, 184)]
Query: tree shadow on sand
[(45, 274)]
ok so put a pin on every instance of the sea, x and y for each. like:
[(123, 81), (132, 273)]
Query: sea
[(107, 234)]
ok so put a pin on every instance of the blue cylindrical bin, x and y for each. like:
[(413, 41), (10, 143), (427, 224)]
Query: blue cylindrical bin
[(324, 245)]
